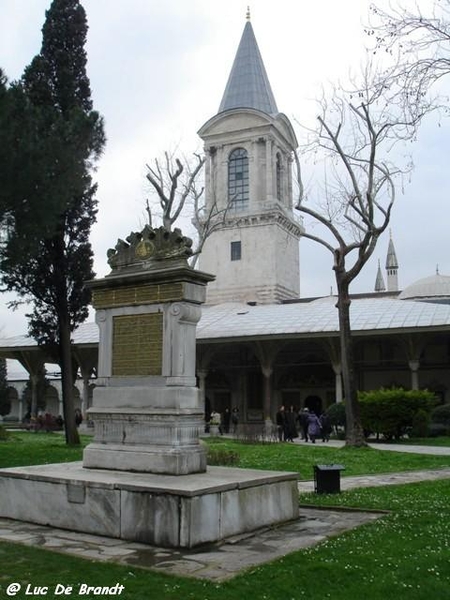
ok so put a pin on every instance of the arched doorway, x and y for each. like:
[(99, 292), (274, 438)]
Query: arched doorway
[(314, 404)]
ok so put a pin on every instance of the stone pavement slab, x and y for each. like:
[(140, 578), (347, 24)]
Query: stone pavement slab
[(214, 562)]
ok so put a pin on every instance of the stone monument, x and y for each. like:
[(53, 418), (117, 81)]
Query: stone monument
[(144, 476), (146, 406)]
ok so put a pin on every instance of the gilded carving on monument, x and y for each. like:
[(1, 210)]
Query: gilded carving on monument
[(146, 249)]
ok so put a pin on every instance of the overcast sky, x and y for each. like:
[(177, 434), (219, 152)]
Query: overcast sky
[(158, 71)]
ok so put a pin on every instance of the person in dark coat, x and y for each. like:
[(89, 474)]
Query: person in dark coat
[(226, 420), (313, 427), (325, 424), (303, 418), (235, 418), (280, 419), (291, 429)]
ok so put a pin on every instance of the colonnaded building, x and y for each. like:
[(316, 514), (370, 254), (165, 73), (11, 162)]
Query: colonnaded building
[(259, 344)]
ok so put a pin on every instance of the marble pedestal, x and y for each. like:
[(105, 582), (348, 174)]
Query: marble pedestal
[(162, 510), (147, 429)]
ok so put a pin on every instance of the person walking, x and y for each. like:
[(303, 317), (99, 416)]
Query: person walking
[(325, 424), (280, 419), (291, 429), (303, 418), (235, 419), (226, 420), (313, 427)]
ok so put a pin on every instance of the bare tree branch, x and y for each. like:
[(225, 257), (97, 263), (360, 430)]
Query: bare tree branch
[(180, 194)]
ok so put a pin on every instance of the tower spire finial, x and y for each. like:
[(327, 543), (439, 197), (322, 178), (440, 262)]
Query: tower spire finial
[(247, 15)]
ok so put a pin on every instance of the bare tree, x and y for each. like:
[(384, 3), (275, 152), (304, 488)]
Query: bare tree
[(353, 141), (180, 193), (419, 42), (173, 182)]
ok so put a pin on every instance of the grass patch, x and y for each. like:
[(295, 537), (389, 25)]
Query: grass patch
[(441, 441), (301, 458), (25, 448)]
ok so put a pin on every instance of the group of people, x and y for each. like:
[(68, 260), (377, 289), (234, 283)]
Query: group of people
[(290, 422), (226, 422)]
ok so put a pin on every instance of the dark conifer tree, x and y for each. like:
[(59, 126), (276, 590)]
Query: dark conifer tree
[(5, 403), (48, 257)]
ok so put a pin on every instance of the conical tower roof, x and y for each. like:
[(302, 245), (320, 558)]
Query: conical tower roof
[(391, 258), (248, 85), (379, 283)]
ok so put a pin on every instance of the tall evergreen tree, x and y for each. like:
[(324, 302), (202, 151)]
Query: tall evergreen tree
[(5, 402), (47, 257)]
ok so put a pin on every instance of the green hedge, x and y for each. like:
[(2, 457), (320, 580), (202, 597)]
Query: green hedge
[(393, 413), (441, 415), (336, 413), (440, 421)]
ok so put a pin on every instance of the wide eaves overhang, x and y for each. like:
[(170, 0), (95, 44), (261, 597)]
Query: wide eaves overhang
[(302, 320), (318, 319)]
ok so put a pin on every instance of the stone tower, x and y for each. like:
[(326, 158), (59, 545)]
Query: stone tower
[(391, 267), (254, 249), (379, 282)]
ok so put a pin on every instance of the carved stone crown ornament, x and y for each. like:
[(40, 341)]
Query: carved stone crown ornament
[(146, 249)]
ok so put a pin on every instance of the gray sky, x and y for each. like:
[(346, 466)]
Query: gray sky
[(158, 70)]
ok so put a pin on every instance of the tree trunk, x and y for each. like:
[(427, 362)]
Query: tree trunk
[(34, 395), (72, 437), (354, 430)]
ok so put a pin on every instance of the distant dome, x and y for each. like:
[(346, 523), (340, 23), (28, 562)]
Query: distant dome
[(434, 289)]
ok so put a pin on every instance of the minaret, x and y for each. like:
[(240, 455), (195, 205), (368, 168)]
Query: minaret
[(254, 249), (391, 267), (379, 282)]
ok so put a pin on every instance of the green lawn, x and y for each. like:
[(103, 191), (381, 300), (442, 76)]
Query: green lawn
[(25, 448), (302, 457), (405, 555), (429, 441)]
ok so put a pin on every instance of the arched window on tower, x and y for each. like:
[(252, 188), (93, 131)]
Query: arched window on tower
[(238, 181), (279, 169)]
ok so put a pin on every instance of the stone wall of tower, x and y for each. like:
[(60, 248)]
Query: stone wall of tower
[(268, 268), (392, 279), (268, 231)]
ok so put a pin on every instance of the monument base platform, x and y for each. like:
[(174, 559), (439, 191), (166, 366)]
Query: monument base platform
[(164, 510)]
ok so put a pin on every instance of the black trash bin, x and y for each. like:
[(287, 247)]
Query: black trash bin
[(327, 479)]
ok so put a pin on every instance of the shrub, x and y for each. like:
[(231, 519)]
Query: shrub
[(221, 457), (391, 412), (437, 429), (336, 413), (4, 434), (441, 415), (420, 424)]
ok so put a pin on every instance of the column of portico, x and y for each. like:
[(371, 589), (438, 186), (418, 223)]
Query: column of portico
[(202, 385), (266, 353), (267, 372), (332, 348), (337, 368), (413, 346), (414, 366)]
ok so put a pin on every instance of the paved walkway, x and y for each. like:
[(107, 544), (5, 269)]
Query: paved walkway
[(221, 561), (409, 448)]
